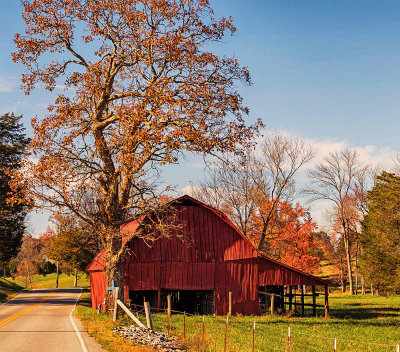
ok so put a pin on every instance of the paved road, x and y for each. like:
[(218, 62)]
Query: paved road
[(40, 321)]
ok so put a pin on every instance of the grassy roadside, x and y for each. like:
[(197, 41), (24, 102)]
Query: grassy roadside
[(99, 326), (8, 289)]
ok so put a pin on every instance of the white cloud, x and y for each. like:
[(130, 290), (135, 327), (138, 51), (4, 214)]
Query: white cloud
[(11, 107), (7, 84)]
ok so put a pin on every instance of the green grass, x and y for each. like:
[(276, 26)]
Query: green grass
[(362, 323), (49, 281), (8, 289)]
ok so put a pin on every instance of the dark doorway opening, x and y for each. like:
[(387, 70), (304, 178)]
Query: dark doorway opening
[(139, 297), (192, 302), (271, 299)]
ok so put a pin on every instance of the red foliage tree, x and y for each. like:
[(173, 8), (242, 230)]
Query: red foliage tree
[(290, 236)]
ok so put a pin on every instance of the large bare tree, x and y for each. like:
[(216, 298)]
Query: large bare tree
[(337, 179), (141, 88), (256, 181)]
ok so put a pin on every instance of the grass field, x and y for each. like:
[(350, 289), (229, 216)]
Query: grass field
[(48, 281), (362, 323), (9, 287)]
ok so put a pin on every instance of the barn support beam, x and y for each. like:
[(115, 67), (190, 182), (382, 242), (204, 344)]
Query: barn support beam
[(302, 299), (290, 298), (326, 302), (314, 302)]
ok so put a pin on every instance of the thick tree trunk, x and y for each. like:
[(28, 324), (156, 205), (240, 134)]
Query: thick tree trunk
[(349, 271), (347, 246), (342, 280), (362, 285), (356, 288), (113, 256), (76, 278)]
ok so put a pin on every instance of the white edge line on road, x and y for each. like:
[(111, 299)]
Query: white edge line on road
[(78, 333)]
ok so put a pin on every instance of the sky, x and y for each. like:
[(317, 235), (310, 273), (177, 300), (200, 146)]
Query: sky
[(328, 71)]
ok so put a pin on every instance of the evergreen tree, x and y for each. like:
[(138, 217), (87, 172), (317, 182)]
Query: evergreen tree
[(12, 146), (380, 239)]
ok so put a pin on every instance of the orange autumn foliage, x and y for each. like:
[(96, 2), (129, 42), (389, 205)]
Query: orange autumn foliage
[(140, 89), (290, 236)]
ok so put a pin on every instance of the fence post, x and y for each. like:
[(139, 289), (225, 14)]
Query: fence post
[(226, 332), (168, 310), (398, 348), (288, 340), (230, 303), (272, 304), (203, 327), (334, 345), (184, 325), (169, 305), (254, 336), (116, 292), (148, 315)]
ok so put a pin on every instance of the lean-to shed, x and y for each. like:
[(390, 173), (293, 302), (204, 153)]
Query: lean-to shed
[(201, 268)]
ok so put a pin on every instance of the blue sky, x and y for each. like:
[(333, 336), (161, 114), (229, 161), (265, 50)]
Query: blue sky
[(326, 70)]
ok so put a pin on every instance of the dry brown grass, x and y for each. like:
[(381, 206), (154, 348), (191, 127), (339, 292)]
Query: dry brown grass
[(100, 326)]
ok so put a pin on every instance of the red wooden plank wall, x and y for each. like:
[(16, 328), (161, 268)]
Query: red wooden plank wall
[(271, 273), (97, 288)]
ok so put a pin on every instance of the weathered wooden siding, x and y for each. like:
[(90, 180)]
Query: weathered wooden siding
[(97, 288)]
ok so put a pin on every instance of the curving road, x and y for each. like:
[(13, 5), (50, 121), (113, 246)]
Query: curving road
[(41, 321)]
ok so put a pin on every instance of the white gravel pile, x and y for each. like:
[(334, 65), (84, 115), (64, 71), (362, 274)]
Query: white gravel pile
[(158, 340)]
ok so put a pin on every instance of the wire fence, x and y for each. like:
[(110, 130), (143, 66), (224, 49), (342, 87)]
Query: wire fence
[(209, 333)]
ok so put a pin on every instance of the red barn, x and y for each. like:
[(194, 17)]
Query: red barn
[(200, 276)]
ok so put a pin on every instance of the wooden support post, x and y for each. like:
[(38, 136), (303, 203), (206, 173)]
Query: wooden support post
[(290, 298), (129, 313), (230, 303), (159, 300), (116, 292), (169, 305), (326, 302), (272, 304), (148, 315), (314, 302), (302, 300), (168, 311)]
